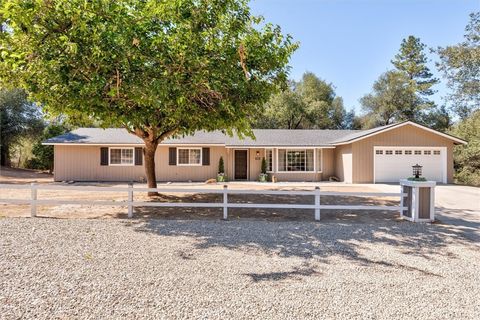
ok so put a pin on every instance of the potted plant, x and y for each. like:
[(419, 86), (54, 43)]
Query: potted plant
[(221, 177), (263, 177)]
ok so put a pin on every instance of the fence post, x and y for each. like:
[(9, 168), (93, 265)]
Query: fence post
[(33, 203), (317, 203), (130, 200), (402, 200), (225, 202)]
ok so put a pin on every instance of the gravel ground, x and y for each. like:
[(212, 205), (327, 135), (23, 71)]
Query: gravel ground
[(212, 269)]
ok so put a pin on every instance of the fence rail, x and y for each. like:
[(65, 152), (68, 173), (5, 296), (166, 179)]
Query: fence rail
[(131, 203)]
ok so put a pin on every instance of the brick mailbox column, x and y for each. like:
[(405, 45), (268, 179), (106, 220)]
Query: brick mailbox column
[(420, 200)]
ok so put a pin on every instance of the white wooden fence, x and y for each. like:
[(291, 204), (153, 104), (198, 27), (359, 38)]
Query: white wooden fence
[(130, 203)]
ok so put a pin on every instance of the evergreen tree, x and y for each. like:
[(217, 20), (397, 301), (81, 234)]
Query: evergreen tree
[(412, 61)]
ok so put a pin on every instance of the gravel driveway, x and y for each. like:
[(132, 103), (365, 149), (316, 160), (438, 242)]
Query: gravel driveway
[(212, 269)]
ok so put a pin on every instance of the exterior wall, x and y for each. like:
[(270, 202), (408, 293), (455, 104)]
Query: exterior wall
[(166, 172), (328, 165), (404, 136), (343, 163), (255, 163), (82, 163)]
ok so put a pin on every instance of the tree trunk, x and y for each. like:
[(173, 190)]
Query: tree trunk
[(150, 149), (4, 156)]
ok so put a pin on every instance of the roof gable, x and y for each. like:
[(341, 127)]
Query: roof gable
[(364, 134)]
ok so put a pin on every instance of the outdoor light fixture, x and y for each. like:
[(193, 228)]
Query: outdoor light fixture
[(258, 154), (417, 170)]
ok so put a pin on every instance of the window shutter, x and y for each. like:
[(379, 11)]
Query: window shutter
[(206, 156), (138, 156), (172, 156), (104, 156)]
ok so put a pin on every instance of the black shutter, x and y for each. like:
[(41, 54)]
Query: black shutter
[(138, 156), (172, 156), (206, 156), (104, 156)]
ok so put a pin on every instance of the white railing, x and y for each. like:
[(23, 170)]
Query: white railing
[(130, 203)]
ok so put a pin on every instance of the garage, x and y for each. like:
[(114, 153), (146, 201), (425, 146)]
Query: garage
[(394, 163)]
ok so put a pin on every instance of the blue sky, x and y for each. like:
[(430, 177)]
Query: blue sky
[(351, 42)]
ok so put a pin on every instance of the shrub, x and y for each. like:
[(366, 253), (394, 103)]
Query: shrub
[(264, 166), (221, 166)]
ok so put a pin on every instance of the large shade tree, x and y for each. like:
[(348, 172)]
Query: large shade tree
[(159, 68)]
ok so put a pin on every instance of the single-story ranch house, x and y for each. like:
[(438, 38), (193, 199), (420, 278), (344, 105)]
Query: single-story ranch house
[(383, 154)]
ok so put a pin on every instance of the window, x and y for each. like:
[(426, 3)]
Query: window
[(269, 159), (418, 152), (296, 160), (121, 157), (427, 152), (436, 152), (389, 152), (398, 152), (189, 156), (379, 152), (408, 152)]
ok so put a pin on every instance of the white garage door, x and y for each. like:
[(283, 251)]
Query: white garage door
[(394, 163)]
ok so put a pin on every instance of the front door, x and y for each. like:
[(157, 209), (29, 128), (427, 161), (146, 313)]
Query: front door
[(241, 157)]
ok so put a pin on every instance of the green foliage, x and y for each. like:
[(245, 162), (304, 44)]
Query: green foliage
[(43, 155), (467, 158), (221, 166), (390, 100), (263, 168), (157, 68), (19, 119), (402, 94), (308, 104), (420, 179), (460, 65), (438, 119), (412, 61)]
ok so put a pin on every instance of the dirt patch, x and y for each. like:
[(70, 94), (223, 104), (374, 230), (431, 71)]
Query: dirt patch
[(18, 176)]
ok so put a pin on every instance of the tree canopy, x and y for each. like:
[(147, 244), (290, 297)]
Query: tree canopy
[(310, 103), (390, 100), (460, 64), (157, 68), (18, 118)]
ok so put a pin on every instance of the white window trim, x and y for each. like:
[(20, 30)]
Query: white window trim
[(321, 160), (299, 149), (189, 164), (273, 157), (120, 164)]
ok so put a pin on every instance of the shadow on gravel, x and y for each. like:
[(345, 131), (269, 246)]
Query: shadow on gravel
[(337, 234), (296, 273)]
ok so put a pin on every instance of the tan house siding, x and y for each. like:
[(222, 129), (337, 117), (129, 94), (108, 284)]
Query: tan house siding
[(343, 162), (405, 136), (82, 163), (328, 165), (166, 172)]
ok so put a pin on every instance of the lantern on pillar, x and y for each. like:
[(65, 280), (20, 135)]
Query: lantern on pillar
[(417, 170)]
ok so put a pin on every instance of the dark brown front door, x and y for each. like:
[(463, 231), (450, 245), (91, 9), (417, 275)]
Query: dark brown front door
[(241, 165)]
